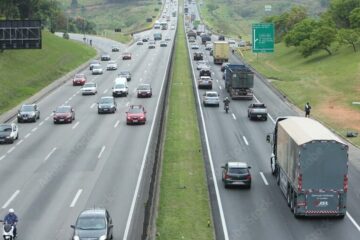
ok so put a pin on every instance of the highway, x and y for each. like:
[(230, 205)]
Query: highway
[(53, 172), (262, 211)]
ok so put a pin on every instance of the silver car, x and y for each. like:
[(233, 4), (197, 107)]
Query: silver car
[(89, 88), (97, 69), (211, 98), (112, 65)]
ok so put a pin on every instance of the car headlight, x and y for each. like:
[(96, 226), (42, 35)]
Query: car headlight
[(19, 115), (8, 137), (76, 238), (103, 237), (32, 114)]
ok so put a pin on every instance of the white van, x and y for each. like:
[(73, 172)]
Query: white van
[(120, 87)]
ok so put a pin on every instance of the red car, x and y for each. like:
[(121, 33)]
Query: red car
[(136, 114), (79, 80), (64, 114), (126, 56)]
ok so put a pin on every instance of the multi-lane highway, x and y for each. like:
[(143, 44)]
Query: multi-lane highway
[(262, 211), (53, 172)]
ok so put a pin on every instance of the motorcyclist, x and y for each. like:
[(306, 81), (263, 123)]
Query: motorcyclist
[(226, 102), (11, 219)]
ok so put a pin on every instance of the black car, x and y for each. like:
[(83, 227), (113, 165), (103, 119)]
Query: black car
[(28, 113), (198, 56), (125, 74), (105, 57), (236, 174), (205, 72), (93, 224), (107, 105), (221, 38), (144, 90)]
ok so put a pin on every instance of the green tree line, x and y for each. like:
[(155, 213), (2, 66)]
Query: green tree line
[(338, 25)]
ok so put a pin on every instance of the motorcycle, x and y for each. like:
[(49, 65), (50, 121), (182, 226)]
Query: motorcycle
[(226, 108), (8, 231)]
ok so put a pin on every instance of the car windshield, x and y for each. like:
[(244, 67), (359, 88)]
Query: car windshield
[(27, 108), (95, 62), (91, 223), (211, 95), (106, 100), (124, 73), (119, 86), (135, 110), (258, 106), (63, 109), (97, 67), (89, 85), (144, 87), (111, 62), (238, 170), (79, 76), (5, 128)]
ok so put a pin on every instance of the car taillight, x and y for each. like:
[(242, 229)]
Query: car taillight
[(299, 182), (226, 176), (248, 177), (346, 183)]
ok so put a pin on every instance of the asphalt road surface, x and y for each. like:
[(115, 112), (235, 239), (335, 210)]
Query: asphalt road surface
[(53, 172), (262, 211)]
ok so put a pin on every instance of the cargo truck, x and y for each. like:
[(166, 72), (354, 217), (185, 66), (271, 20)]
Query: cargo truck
[(220, 52), (310, 164), (205, 38), (239, 81)]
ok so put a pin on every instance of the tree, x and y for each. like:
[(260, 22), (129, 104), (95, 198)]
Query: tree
[(340, 11), (74, 4), (349, 36), (355, 18), (301, 31)]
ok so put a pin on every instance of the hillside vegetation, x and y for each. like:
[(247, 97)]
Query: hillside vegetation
[(25, 72)]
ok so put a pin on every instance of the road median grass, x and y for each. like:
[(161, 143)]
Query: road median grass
[(184, 208), (25, 72)]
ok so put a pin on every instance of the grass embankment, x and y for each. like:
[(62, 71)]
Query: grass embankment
[(329, 83), (25, 72), (184, 208)]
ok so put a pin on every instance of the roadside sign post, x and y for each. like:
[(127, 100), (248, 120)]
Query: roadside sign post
[(263, 38)]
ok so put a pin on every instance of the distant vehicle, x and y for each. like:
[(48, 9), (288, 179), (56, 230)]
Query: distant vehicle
[(220, 52), (206, 71), (205, 38), (223, 66), (112, 65), (167, 38), (191, 33), (89, 88), (79, 79), (257, 111), (136, 114), (64, 114), (107, 104), (105, 57), (205, 82), (208, 47), (239, 81), (28, 113), (144, 90), (236, 174), (221, 38), (163, 44), (139, 43), (97, 69), (157, 36), (125, 74), (145, 39), (192, 39), (94, 62), (93, 223), (198, 56), (195, 47), (157, 26), (164, 26), (211, 98), (9, 132), (172, 27), (310, 164), (120, 87), (115, 48), (126, 56), (202, 65), (151, 44)]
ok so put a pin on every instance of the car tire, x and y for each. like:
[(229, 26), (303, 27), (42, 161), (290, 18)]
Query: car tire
[(17, 136), (38, 116), (19, 120)]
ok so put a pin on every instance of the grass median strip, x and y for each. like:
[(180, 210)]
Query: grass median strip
[(184, 209)]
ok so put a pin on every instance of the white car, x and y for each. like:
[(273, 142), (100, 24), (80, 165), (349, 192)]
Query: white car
[(89, 88), (97, 69), (112, 65), (93, 62), (209, 47), (9, 132), (195, 47), (211, 98), (172, 27), (202, 65)]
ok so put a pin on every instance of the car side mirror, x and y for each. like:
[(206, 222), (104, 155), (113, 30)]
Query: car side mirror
[(268, 138), (249, 167), (111, 225), (72, 226)]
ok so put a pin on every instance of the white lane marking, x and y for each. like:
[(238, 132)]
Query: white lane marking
[(105, 91), (271, 118), (263, 178), (93, 105), (353, 221), (19, 142), (27, 135), (66, 102), (233, 115), (34, 129), (70, 98), (2, 157), (11, 199), (40, 124), (128, 104), (220, 87), (245, 140), (117, 123), (101, 151), (217, 80), (137, 188), (11, 149), (47, 118), (75, 93), (76, 124), (76, 198), (50, 153)]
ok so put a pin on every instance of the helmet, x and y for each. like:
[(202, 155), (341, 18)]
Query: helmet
[(11, 210)]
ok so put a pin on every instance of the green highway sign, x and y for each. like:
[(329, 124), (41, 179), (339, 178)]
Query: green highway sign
[(262, 37)]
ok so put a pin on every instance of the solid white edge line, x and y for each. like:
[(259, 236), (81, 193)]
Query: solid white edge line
[(76, 198), (353, 221), (264, 179), (101, 151), (11, 199), (76, 124), (233, 115), (133, 203), (245, 140), (221, 211), (49, 155), (117, 123), (2, 157), (11, 149)]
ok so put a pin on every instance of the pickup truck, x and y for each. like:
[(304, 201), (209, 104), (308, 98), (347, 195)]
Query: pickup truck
[(257, 111)]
